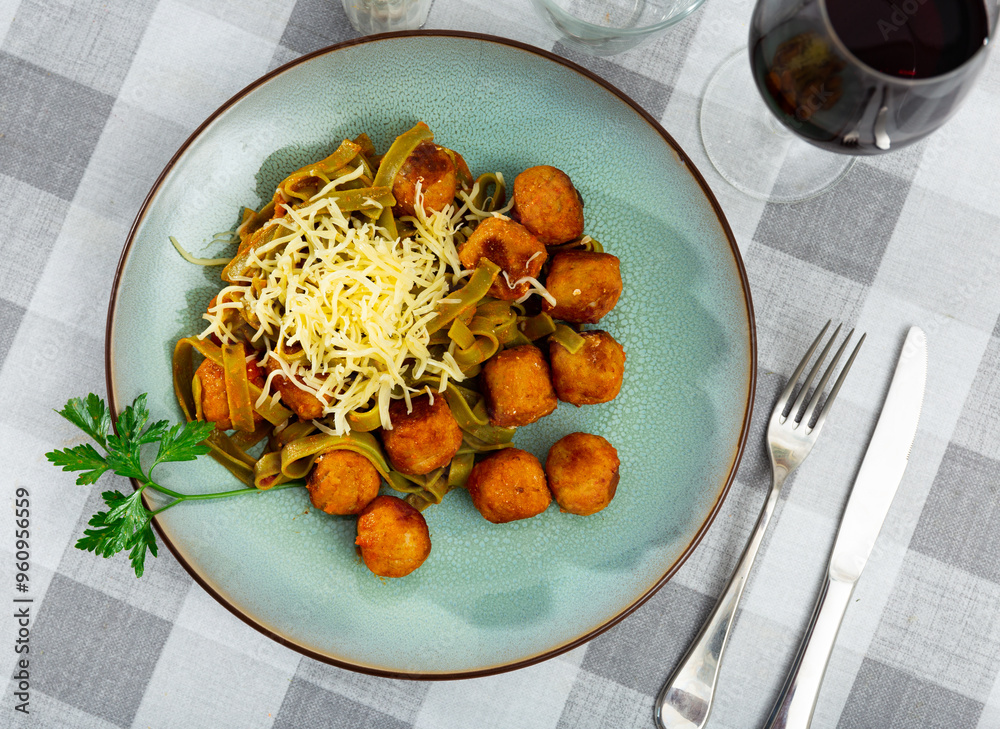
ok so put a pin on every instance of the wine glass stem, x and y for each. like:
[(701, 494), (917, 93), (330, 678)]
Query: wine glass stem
[(776, 126)]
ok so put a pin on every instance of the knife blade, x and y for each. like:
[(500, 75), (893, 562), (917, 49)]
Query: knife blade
[(871, 496), (884, 461)]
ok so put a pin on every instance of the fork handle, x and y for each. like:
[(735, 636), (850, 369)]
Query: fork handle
[(797, 700), (685, 700)]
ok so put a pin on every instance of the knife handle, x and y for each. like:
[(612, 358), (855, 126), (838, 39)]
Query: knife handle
[(797, 700)]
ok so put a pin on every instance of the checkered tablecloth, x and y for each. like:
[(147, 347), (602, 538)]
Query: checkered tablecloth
[(95, 97)]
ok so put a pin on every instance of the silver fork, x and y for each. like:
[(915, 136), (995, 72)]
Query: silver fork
[(685, 700)]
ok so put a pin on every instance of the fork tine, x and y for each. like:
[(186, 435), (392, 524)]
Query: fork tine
[(836, 387), (812, 376), (779, 408), (807, 416)]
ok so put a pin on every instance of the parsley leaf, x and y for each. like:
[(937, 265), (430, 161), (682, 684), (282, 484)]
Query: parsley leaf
[(144, 540), (126, 525), (123, 457), (184, 442), (90, 415), (81, 458), (153, 433), (132, 419)]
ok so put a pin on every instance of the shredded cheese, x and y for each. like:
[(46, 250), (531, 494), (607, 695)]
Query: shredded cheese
[(353, 302), (535, 287), (194, 259)]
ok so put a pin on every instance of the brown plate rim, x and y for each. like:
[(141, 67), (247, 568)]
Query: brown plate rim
[(751, 382)]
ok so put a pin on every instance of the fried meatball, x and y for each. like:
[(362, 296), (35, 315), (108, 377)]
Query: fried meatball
[(437, 173), (585, 285), (342, 482), (421, 440), (214, 401), (510, 246), (518, 387), (465, 179), (548, 205), (509, 485), (304, 404), (583, 473), (393, 537), (593, 374)]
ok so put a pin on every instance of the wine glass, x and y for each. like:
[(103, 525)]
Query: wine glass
[(853, 77)]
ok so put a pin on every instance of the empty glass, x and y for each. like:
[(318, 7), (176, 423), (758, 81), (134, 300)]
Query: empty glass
[(606, 27)]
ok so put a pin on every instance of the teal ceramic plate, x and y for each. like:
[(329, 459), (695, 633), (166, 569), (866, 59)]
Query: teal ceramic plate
[(490, 597)]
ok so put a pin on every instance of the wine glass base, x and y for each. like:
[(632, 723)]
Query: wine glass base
[(752, 150)]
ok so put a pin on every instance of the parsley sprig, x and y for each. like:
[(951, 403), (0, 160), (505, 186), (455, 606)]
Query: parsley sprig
[(127, 524)]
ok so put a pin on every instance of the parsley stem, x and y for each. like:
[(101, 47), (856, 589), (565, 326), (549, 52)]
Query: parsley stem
[(178, 497)]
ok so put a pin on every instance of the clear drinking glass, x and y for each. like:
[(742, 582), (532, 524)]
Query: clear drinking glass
[(382, 16), (606, 27)]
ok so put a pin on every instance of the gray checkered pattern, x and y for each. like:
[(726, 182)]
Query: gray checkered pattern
[(95, 98)]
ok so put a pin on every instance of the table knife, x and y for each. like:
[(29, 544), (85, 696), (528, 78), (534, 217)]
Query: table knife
[(872, 494)]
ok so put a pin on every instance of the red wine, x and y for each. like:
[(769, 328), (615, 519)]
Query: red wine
[(866, 76), (910, 38)]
